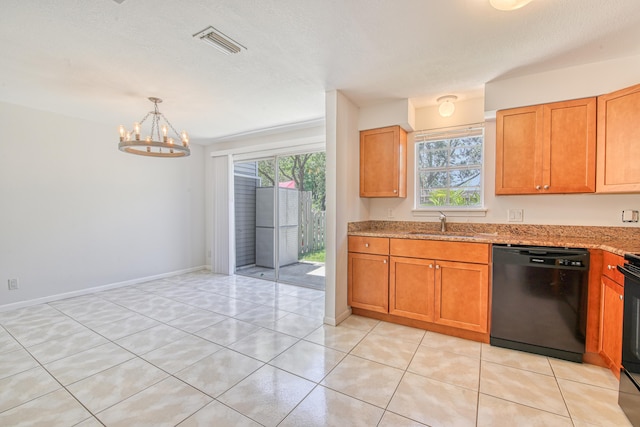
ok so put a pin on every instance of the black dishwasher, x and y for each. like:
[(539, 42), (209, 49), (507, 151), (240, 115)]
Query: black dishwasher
[(539, 300)]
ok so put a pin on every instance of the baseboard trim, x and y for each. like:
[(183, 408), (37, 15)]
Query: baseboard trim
[(56, 297), (335, 321)]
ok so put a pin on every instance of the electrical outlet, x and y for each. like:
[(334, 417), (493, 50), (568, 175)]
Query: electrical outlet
[(13, 284), (515, 215)]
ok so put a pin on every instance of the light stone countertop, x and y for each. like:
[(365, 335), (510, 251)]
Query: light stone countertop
[(618, 240)]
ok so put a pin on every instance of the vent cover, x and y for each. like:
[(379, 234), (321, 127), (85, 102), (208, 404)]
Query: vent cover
[(220, 41)]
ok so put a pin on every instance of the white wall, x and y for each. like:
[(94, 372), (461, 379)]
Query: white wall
[(466, 112), (343, 202), (576, 82), (398, 112), (76, 213), (570, 83)]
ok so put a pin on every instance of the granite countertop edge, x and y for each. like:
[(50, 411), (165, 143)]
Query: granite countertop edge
[(616, 246)]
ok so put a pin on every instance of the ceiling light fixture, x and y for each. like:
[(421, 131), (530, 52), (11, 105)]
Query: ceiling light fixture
[(509, 4), (217, 39), (158, 137), (447, 107)]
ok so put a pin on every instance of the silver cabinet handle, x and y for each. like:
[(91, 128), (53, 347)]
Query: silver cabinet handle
[(395, 191), (609, 266), (384, 261), (366, 245), (537, 187), (437, 267), (546, 187), (621, 298), (430, 265)]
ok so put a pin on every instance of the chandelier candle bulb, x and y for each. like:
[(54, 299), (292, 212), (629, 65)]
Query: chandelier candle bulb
[(123, 132), (136, 130)]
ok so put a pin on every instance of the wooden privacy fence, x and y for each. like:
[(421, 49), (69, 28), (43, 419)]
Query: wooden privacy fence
[(311, 226)]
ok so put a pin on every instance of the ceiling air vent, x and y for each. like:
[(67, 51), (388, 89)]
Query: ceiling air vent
[(220, 41)]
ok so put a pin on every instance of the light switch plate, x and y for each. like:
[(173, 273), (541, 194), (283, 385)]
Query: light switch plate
[(629, 216), (515, 215)]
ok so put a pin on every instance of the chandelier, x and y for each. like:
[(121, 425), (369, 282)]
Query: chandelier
[(157, 143)]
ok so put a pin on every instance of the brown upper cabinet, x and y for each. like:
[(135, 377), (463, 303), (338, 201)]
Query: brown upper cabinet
[(547, 149), (383, 162), (619, 141)]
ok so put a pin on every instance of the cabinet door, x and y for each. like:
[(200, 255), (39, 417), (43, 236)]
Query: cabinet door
[(462, 295), (383, 162), (610, 263), (519, 150), (411, 288), (612, 306), (569, 147), (368, 282), (618, 136)]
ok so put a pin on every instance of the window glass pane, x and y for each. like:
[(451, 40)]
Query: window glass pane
[(466, 156), (464, 178), (432, 158), (433, 179), (449, 170)]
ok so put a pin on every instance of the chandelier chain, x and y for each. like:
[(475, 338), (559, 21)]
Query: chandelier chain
[(170, 125)]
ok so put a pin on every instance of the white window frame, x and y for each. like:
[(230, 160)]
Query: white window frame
[(447, 133)]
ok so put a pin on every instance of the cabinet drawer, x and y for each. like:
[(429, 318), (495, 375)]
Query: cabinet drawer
[(610, 262), (437, 249), (369, 245)]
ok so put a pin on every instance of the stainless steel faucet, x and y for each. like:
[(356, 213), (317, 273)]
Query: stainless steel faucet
[(443, 222)]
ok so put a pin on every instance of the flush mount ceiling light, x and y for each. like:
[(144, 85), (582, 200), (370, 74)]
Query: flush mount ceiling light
[(157, 143), (447, 107), (509, 4), (217, 39)]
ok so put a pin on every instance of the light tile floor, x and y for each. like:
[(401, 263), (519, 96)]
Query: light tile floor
[(208, 350)]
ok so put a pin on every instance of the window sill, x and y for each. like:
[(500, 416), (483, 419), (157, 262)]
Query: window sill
[(450, 212)]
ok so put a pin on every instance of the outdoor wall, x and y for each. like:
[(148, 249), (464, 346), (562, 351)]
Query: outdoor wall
[(79, 214)]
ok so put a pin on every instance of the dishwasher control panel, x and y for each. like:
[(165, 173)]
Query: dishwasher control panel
[(565, 262), (569, 263)]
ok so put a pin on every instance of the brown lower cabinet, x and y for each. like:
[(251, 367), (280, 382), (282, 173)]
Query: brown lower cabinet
[(369, 282), (436, 285), (611, 324), (447, 293), (462, 295), (412, 288), (611, 309)]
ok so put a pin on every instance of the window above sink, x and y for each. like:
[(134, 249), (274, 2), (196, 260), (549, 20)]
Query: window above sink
[(449, 169)]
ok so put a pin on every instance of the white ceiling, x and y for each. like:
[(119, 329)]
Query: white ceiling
[(100, 60)]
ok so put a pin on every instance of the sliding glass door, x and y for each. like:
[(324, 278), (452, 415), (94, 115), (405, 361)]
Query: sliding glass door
[(280, 218)]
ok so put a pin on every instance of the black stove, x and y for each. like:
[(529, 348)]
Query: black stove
[(629, 393)]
